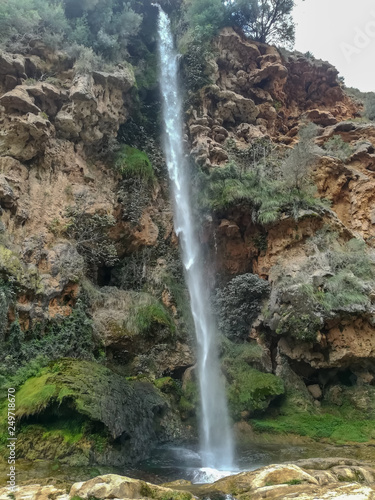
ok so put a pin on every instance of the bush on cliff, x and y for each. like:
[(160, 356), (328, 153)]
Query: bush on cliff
[(238, 304), (336, 278), (227, 187), (338, 148), (105, 25)]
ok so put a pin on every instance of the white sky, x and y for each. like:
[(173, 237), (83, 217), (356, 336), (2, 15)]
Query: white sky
[(341, 32)]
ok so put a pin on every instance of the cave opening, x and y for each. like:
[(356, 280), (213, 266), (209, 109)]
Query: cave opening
[(103, 276)]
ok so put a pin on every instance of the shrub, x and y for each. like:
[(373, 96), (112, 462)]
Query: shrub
[(104, 26), (238, 304), (227, 187), (344, 286), (86, 60), (301, 325), (338, 148), (152, 317), (268, 21), (297, 166), (133, 163), (370, 106)]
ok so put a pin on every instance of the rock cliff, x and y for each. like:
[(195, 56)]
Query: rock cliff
[(89, 260)]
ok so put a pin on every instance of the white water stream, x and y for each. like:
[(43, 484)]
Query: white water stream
[(216, 438)]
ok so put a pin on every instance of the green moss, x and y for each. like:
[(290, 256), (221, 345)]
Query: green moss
[(166, 384), (133, 163), (189, 399), (71, 430), (151, 316), (327, 425), (34, 396), (249, 389), (147, 491), (300, 326), (10, 265)]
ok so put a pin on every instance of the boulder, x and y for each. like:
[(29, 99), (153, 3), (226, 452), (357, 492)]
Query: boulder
[(24, 137), (19, 101), (315, 391), (114, 486)]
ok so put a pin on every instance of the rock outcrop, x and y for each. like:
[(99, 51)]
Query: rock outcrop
[(338, 478)]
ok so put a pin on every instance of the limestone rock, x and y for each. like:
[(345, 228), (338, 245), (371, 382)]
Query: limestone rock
[(114, 486), (24, 137), (323, 118), (35, 492), (315, 391), (8, 199), (19, 101), (96, 107)]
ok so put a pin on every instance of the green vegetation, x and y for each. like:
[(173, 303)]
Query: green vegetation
[(297, 166), (17, 273), (105, 26), (91, 234), (6, 296), (338, 148), (266, 21), (366, 99), (249, 390), (300, 326), (25, 354), (345, 285), (336, 428), (262, 177), (370, 106), (227, 187), (152, 316), (133, 163), (35, 395), (238, 304)]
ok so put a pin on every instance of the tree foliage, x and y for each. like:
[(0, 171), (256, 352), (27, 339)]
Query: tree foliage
[(104, 25), (297, 166), (238, 304), (266, 21)]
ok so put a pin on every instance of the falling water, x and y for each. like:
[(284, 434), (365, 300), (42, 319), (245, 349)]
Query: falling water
[(216, 439)]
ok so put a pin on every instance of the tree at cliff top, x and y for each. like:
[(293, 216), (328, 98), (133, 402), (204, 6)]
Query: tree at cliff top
[(266, 21)]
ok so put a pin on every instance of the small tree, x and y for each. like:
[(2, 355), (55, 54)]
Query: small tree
[(296, 169)]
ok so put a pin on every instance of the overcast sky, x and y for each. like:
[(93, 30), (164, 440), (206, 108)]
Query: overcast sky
[(341, 32)]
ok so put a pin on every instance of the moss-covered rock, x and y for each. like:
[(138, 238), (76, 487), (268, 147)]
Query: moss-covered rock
[(117, 421), (249, 390), (12, 267)]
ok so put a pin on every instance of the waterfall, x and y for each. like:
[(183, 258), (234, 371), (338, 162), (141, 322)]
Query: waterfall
[(216, 438)]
